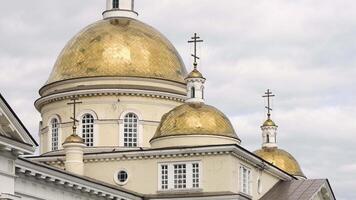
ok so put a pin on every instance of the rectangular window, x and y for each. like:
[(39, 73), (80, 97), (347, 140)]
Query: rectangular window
[(245, 180), (179, 176), (164, 177), (195, 174)]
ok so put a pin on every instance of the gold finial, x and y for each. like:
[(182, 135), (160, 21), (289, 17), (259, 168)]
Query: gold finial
[(74, 103), (268, 95), (195, 40)]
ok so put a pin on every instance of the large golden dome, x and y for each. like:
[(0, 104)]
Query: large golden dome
[(195, 119), (281, 159), (119, 47)]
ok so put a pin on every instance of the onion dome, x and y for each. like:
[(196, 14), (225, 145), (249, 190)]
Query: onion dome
[(74, 138), (282, 159), (195, 74), (119, 47), (197, 120), (194, 123), (269, 122), (270, 151)]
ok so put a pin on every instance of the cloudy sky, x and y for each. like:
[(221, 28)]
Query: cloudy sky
[(304, 50)]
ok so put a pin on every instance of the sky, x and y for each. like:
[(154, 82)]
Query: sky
[(303, 50)]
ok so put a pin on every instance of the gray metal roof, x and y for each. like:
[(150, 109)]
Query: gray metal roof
[(298, 190)]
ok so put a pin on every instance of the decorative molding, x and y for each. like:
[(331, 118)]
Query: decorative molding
[(168, 153), (107, 92)]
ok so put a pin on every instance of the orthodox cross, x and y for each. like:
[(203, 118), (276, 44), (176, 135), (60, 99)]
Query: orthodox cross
[(195, 40), (74, 102), (268, 95)]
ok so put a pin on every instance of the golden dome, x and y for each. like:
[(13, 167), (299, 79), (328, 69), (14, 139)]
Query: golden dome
[(195, 74), (281, 159), (269, 122), (73, 139), (119, 47), (195, 119)]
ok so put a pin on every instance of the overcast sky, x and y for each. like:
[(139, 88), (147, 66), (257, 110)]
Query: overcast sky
[(303, 50)]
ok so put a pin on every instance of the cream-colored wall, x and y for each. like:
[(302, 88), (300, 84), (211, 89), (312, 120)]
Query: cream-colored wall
[(108, 111), (267, 182), (220, 173)]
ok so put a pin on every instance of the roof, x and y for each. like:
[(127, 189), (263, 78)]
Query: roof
[(282, 159), (300, 190), (195, 119), (119, 47), (27, 137), (71, 177)]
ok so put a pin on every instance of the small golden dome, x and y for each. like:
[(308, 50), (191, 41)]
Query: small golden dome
[(269, 122), (281, 159), (73, 139), (195, 74), (195, 119), (119, 47)]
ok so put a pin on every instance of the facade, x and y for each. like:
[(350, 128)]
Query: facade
[(123, 119)]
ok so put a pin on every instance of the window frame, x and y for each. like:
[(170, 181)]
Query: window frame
[(114, 3), (82, 128), (193, 92), (50, 131), (247, 190), (189, 184), (116, 179), (132, 127), (122, 128)]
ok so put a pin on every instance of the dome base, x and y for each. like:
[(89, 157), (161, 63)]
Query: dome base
[(192, 140)]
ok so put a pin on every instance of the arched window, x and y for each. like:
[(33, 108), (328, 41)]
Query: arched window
[(115, 4), (55, 133), (267, 138), (88, 129), (193, 92), (131, 130)]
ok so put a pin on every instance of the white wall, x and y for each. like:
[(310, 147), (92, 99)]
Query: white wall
[(7, 173)]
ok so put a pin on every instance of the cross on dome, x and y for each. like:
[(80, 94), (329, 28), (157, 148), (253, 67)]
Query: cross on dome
[(74, 102), (268, 95), (195, 80), (195, 40)]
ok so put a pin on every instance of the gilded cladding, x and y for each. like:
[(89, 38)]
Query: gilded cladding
[(195, 119), (73, 139), (195, 74), (281, 159), (119, 47), (269, 122)]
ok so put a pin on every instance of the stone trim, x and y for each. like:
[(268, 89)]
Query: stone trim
[(107, 92)]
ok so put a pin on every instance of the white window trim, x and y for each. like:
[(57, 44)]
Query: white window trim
[(249, 184), (140, 127), (189, 176), (96, 127), (49, 139), (117, 181)]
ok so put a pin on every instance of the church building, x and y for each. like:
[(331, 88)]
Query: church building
[(124, 118)]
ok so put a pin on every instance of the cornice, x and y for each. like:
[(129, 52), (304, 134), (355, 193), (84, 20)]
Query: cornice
[(107, 92), (106, 78), (167, 153)]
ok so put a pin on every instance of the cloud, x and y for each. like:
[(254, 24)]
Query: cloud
[(302, 50)]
